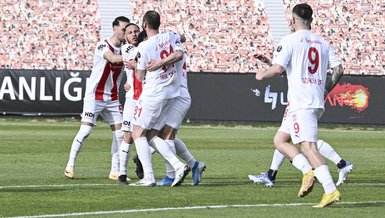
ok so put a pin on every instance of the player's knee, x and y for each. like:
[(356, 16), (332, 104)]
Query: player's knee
[(83, 133), (118, 134)]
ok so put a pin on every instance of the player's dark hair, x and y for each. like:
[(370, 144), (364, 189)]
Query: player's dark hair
[(131, 24), (152, 18), (142, 36), (303, 10), (119, 19)]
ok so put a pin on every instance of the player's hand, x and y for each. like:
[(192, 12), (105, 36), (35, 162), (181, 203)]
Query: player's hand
[(262, 58), (127, 87), (130, 64), (153, 65), (258, 76)]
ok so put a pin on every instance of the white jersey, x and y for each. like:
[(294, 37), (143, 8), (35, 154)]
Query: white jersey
[(129, 52), (306, 57), (182, 75), (105, 76), (161, 83)]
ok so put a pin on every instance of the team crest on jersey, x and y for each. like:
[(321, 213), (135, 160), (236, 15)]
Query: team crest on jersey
[(279, 48), (101, 46)]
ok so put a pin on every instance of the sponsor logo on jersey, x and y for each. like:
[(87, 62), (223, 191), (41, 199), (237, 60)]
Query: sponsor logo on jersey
[(100, 47), (129, 48), (279, 48)]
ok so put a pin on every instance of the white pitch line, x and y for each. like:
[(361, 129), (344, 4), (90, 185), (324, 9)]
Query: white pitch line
[(101, 185), (193, 208), (52, 186)]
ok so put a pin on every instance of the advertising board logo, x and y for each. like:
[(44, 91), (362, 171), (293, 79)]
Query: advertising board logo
[(353, 96)]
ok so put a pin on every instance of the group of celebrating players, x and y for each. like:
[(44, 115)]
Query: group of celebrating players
[(157, 100)]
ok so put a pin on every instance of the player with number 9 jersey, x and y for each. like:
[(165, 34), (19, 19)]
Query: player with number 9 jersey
[(306, 57), (161, 83)]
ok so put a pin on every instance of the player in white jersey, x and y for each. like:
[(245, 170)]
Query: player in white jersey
[(306, 58), (174, 119), (326, 150), (160, 87), (133, 90), (101, 97)]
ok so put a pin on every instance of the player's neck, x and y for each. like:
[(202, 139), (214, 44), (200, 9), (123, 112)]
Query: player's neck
[(151, 32), (115, 41)]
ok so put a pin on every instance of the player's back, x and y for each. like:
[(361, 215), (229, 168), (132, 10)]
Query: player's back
[(161, 83), (307, 68)]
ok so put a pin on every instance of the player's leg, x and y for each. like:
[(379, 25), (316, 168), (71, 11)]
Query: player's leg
[(344, 167), (125, 146), (268, 178), (282, 140), (304, 131), (167, 150), (143, 150), (112, 114), (197, 167), (77, 144), (91, 110)]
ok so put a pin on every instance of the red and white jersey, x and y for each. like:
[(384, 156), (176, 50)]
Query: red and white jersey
[(306, 57), (105, 77), (161, 83), (130, 52)]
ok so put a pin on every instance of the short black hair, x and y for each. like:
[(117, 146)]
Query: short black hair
[(120, 19), (303, 10), (142, 36), (152, 18), (131, 24)]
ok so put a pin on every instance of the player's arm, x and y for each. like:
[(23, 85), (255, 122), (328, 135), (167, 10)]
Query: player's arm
[(332, 81), (130, 64), (172, 58), (111, 57), (272, 71), (139, 74)]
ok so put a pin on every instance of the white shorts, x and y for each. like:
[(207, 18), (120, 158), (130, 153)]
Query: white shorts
[(150, 113), (110, 111), (178, 111), (302, 125), (128, 114)]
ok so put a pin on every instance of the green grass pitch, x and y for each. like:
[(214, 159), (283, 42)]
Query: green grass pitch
[(34, 152)]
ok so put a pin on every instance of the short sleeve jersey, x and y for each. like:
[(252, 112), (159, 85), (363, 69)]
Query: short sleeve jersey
[(306, 57), (129, 52), (103, 83), (161, 83)]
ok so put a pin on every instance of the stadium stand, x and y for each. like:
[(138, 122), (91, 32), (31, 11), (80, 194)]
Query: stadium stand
[(222, 35), (48, 34), (355, 29)]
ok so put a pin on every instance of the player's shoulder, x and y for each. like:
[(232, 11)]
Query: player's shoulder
[(101, 44), (128, 47)]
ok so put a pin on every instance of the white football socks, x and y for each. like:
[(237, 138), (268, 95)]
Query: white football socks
[(117, 138), (170, 172), (183, 152), (77, 143), (163, 148), (124, 156), (327, 151), (301, 163), (323, 175), (144, 154), (277, 160)]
